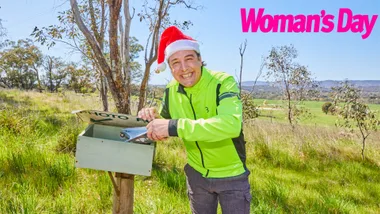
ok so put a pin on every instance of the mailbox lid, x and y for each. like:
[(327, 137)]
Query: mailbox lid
[(110, 118)]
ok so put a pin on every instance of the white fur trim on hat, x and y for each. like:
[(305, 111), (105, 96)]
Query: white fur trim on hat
[(180, 45), (161, 67)]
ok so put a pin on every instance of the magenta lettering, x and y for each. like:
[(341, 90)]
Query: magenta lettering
[(255, 20)]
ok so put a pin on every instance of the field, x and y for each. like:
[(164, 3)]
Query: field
[(274, 108), (316, 169)]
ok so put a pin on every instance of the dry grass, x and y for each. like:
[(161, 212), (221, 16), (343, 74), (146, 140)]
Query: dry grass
[(335, 140)]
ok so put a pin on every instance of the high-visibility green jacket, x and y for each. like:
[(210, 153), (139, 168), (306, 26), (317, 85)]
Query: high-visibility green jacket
[(208, 118)]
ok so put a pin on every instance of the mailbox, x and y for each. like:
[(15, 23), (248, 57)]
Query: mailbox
[(100, 146)]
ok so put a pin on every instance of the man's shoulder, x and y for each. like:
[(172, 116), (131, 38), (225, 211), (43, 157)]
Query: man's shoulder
[(172, 83), (220, 75)]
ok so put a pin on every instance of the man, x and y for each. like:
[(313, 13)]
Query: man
[(203, 108)]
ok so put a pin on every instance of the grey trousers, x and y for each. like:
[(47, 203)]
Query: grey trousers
[(232, 193)]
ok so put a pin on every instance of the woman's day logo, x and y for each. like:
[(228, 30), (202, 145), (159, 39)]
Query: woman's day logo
[(300, 23)]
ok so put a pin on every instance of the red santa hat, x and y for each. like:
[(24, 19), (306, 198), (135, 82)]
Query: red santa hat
[(173, 40)]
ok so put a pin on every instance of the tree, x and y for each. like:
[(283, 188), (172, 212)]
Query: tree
[(355, 113), (114, 71), (80, 78), (250, 109), (157, 18), (19, 64), (56, 72), (294, 79), (326, 106)]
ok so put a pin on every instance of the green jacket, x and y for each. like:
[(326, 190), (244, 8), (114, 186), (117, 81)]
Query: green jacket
[(208, 118)]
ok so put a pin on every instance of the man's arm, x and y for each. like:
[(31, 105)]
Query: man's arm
[(227, 124)]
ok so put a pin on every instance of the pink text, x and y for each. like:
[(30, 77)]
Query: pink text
[(256, 20)]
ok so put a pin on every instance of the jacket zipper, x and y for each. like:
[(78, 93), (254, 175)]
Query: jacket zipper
[(196, 142)]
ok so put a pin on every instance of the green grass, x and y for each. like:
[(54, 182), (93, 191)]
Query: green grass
[(316, 169), (275, 108)]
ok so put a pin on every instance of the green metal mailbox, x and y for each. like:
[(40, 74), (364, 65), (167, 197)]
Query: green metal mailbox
[(100, 146)]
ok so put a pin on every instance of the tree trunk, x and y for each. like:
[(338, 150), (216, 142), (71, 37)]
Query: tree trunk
[(149, 60), (363, 148), (143, 87), (290, 112), (38, 80), (103, 92), (290, 116), (126, 51), (99, 36), (51, 81)]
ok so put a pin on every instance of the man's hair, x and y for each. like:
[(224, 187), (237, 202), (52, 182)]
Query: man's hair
[(198, 55)]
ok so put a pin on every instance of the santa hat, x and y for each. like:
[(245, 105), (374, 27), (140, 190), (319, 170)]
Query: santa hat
[(173, 40)]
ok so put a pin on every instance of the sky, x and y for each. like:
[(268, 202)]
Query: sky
[(218, 29)]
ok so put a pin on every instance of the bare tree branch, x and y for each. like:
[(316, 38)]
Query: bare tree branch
[(88, 35), (241, 51), (257, 77)]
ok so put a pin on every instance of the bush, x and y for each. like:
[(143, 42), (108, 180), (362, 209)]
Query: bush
[(326, 106), (250, 109)]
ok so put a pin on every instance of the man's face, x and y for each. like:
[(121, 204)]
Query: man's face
[(186, 67)]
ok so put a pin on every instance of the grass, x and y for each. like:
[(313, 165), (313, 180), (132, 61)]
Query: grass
[(316, 169), (275, 108)]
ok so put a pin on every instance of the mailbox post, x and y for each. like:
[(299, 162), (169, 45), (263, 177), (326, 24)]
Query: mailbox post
[(100, 147)]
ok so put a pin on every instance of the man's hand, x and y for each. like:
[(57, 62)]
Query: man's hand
[(148, 114), (158, 129)]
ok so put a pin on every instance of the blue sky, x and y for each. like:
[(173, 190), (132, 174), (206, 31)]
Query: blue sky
[(218, 28)]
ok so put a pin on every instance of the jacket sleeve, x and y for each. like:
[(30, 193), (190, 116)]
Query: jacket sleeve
[(226, 124)]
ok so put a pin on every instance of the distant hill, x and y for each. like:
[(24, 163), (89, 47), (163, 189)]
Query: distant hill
[(366, 85), (250, 83), (357, 83), (325, 83)]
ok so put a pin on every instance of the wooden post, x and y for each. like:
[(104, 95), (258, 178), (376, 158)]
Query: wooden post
[(123, 195)]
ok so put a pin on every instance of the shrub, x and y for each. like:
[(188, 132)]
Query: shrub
[(250, 109), (326, 106)]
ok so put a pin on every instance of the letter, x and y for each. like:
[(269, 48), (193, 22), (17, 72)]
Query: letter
[(122, 117), (347, 27), (299, 26), (251, 20), (310, 19), (328, 20), (283, 19), (266, 29), (103, 114), (357, 25), (369, 26)]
